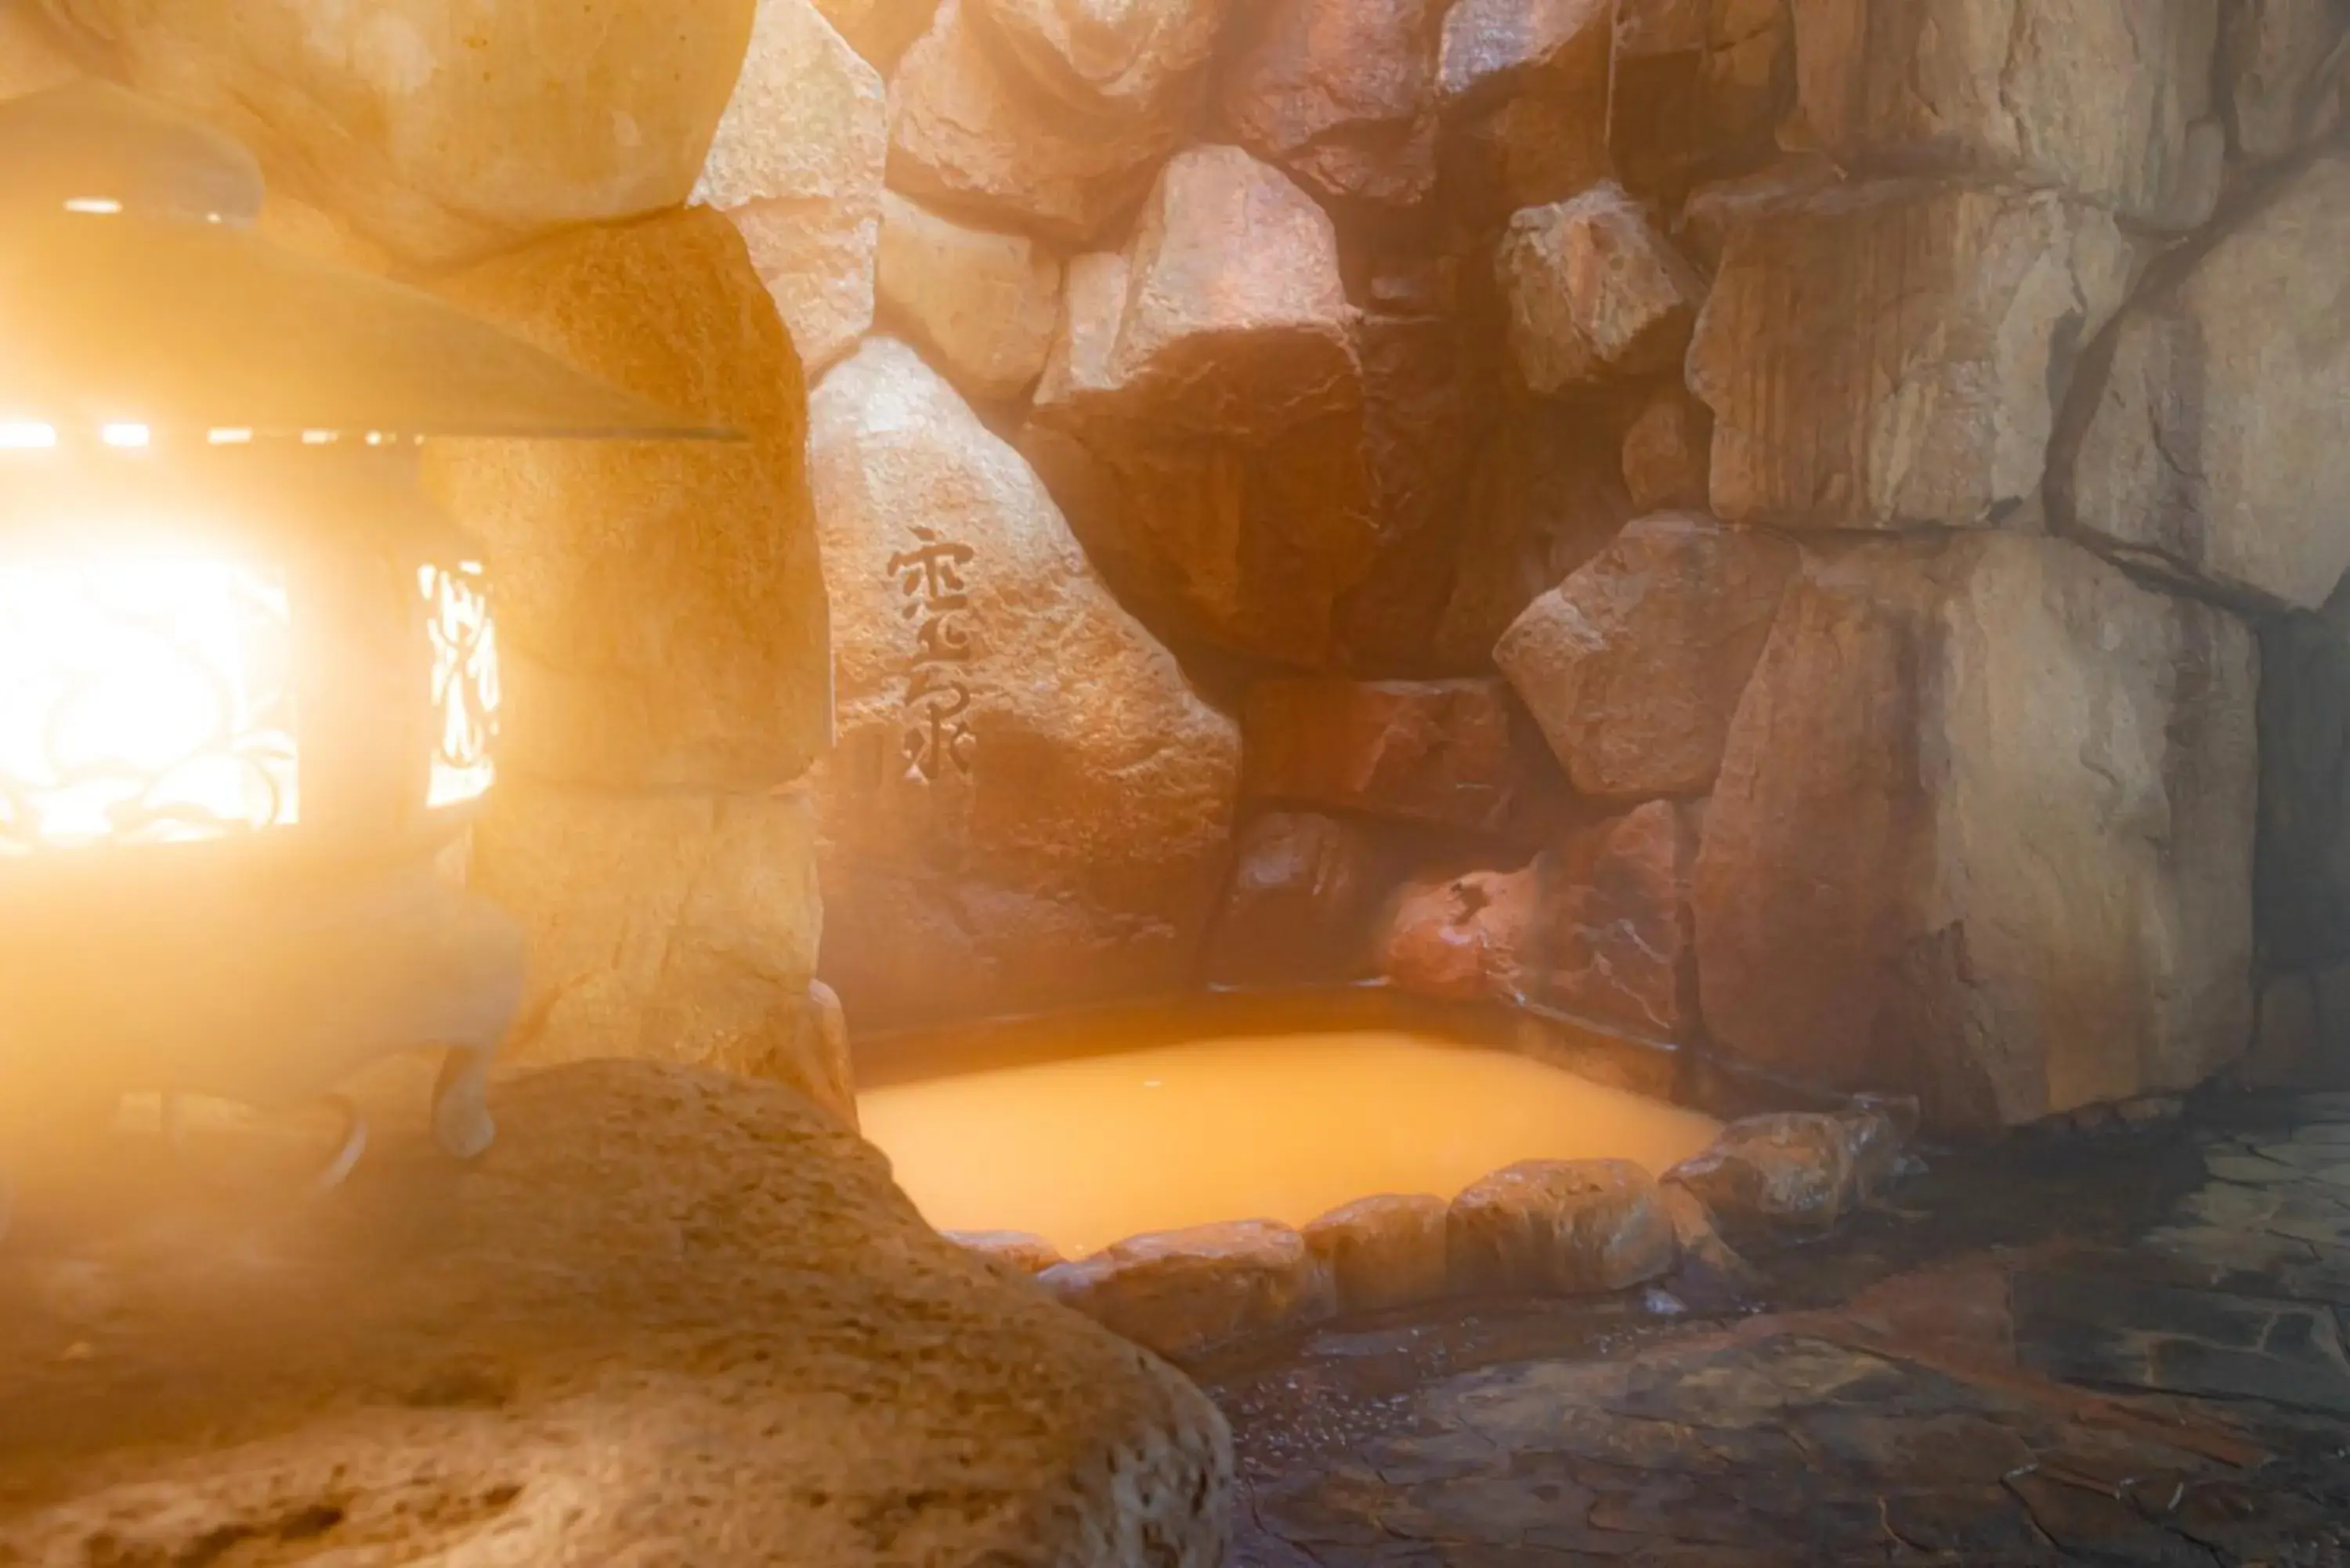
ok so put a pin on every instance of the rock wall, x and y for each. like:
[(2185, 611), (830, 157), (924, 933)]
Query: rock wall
[(1750, 525)]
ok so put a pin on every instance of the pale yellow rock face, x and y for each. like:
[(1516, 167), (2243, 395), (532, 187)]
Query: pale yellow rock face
[(982, 305), (447, 128), (797, 167)]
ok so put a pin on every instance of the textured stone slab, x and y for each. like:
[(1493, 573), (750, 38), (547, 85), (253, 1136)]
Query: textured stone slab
[(1560, 1228), (1182, 1292)]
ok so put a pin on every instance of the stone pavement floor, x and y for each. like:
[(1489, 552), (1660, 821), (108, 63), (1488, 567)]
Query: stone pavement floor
[(2130, 1352)]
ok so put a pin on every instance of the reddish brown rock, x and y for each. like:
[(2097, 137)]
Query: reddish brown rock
[(1669, 453), (1707, 1261), (1634, 666), (1610, 942), (1982, 832), (1447, 754), (1107, 59), (1560, 1228), (1302, 890), (1492, 46), (1980, 295), (1012, 1252), (1383, 1252), (1530, 148), (1774, 1173), (1595, 292), (1546, 495), (2097, 97), (1463, 939), (1028, 803), (1719, 209), (1182, 1292), (1340, 93), (1698, 84), (968, 131)]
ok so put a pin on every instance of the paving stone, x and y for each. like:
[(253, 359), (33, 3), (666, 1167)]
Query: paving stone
[(2103, 1529), (1972, 1524), (2107, 1331)]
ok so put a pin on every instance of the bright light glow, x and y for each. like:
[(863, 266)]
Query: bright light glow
[(320, 438), (94, 206), (144, 700), (465, 691), (26, 435), (230, 437), (125, 435)]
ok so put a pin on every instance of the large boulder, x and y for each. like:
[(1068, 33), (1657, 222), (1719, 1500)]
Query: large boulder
[(1560, 1228), (442, 130), (1180, 1292), (982, 303), (675, 1318), (1610, 941), (1984, 831), (675, 927), (1492, 47), (969, 129), (1595, 292), (1383, 1252), (797, 164), (1893, 355), (1697, 83), (1107, 59), (2273, 61), (1441, 754), (1340, 93), (1029, 805), (1634, 665), (1302, 893), (662, 604), (2219, 445), (2100, 97), (1465, 938), (1669, 452)]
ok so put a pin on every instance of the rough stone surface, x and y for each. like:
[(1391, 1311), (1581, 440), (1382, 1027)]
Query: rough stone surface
[(2220, 446), (1982, 832), (1180, 1292), (1463, 939), (1383, 1252), (2303, 1040), (1546, 497), (1720, 208), (443, 135), (969, 130), (982, 305), (2272, 59), (674, 1317), (1299, 905), (2304, 830), (797, 167), (1108, 58), (1029, 804), (1774, 1173), (660, 606), (1446, 753), (1492, 46), (1340, 93), (1560, 1228), (814, 1059), (1893, 355), (1669, 453), (2097, 96), (1610, 942), (676, 928), (1698, 84), (1594, 292), (880, 30), (1015, 1252), (1634, 666)]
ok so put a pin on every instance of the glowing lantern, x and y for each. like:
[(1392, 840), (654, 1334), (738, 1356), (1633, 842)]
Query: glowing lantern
[(248, 677)]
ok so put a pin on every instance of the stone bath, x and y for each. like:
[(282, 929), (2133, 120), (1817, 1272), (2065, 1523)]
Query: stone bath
[(1090, 1150)]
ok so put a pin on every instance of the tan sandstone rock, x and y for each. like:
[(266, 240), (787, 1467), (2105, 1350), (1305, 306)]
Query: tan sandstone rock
[(674, 928), (34, 52), (1493, 45), (1634, 665), (1383, 1252), (1182, 1292), (662, 607), (1669, 453), (1340, 93), (982, 303), (1774, 1173), (880, 30), (1609, 944), (2273, 60), (1893, 355), (798, 165), (969, 130), (2095, 97), (814, 1059), (1595, 292), (1299, 902), (676, 1318), (1111, 59), (1560, 1228), (2220, 447), (1982, 833), (445, 132), (1029, 805), (1016, 1252), (1446, 753)]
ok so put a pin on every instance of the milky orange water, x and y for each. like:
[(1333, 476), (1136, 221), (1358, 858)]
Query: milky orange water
[(1089, 1151)]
